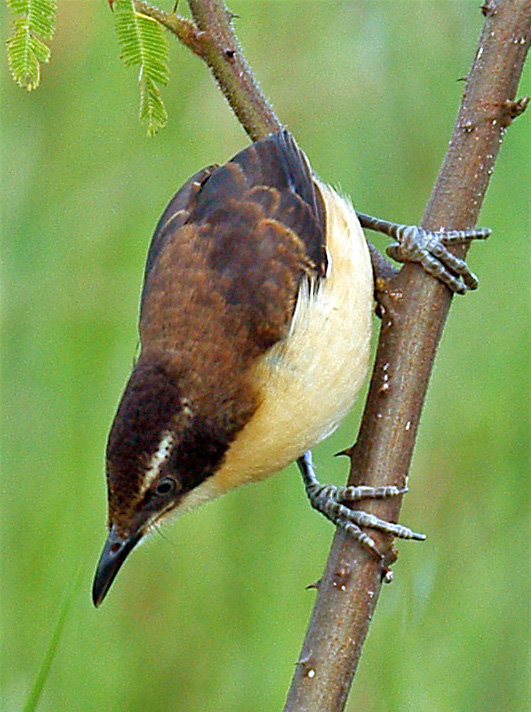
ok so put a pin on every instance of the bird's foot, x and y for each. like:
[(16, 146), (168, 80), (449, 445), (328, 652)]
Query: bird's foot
[(333, 501), (430, 249)]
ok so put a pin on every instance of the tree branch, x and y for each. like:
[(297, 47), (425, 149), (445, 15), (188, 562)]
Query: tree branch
[(414, 307), (212, 38)]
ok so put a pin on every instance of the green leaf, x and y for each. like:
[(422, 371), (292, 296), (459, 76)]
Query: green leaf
[(152, 109), (34, 19), (143, 44)]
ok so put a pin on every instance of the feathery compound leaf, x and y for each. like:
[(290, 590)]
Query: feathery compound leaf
[(34, 19), (142, 43), (152, 109)]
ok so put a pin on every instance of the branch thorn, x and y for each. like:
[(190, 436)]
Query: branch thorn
[(488, 8)]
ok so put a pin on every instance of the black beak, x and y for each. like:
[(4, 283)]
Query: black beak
[(112, 557)]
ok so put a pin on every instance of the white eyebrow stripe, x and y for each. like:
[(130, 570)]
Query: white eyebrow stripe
[(158, 458)]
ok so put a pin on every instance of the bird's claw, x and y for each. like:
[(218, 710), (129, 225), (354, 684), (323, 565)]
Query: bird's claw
[(430, 250), (330, 500)]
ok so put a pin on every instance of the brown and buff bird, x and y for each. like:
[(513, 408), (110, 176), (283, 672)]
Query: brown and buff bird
[(255, 325)]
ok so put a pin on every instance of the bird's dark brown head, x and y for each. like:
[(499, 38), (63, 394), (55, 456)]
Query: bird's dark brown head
[(161, 446)]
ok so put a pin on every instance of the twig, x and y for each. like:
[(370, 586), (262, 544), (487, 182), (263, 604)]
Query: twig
[(414, 310), (212, 38)]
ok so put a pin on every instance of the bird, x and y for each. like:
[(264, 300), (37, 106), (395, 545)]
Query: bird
[(255, 329)]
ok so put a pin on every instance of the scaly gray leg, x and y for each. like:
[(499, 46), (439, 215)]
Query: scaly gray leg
[(330, 499), (413, 244)]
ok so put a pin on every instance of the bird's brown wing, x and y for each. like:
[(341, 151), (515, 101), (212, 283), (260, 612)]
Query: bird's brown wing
[(175, 215), (239, 239)]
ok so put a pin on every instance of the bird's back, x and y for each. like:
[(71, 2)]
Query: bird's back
[(230, 251)]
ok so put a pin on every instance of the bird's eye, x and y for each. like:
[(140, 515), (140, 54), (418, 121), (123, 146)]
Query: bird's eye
[(166, 486)]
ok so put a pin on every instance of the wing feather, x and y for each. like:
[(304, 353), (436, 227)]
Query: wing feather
[(232, 247)]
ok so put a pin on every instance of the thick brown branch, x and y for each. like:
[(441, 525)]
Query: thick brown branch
[(415, 311)]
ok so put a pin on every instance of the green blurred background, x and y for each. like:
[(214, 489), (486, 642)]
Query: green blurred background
[(211, 616)]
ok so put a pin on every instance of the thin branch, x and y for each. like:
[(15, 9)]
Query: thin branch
[(414, 308), (212, 38)]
